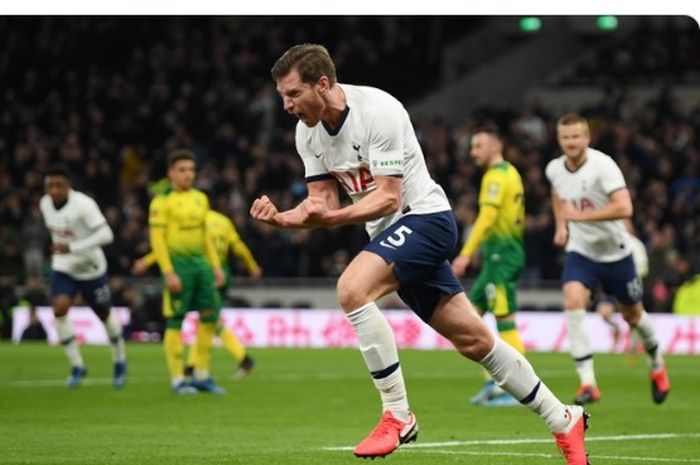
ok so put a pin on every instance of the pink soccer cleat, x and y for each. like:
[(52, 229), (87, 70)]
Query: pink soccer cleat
[(389, 434), (571, 441)]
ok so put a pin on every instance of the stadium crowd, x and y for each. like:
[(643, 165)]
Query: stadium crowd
[(111, 97)]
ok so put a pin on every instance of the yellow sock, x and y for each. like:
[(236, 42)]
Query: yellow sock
[(512, 337), (231, 343), (203, 346), (172, 344)]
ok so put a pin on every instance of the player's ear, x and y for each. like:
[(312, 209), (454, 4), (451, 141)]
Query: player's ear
[(323, 84)]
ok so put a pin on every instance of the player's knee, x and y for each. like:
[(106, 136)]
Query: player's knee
[(60, 307), (473, 346), (631, 314), (350, 295)]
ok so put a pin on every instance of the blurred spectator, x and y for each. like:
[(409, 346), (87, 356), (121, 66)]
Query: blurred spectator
[(8, 300), (34, 241), (34, 296), (111, 104)]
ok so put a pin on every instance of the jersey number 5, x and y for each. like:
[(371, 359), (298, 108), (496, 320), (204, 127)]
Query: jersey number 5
[(397, 238)]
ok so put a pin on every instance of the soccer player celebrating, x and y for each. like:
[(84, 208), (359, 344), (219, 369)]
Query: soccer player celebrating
[(179, 241), (78, 231), (499, 227), (590, 199), (362, 138)]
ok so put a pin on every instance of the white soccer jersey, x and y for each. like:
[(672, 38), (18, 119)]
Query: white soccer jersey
[(589, 188), (76, 220), (639, 254), (373, 138)]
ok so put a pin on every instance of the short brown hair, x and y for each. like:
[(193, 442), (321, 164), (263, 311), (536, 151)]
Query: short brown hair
[(572, 118), (491, 130), (181, 154), (311, 62)]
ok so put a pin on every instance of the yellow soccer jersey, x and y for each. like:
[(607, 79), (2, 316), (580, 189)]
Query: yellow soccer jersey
[(177, 224), (224, 236), (502, 189)]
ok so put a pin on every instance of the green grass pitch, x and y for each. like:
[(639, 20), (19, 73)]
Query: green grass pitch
[(310, 406)]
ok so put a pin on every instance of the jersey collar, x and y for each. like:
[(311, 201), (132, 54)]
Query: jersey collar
[(343, 116)]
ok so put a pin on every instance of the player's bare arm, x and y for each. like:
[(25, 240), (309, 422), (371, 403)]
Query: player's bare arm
[(60, 248), (561, 234), (322, 197), (619, 207), (172, 280), (382, 201)]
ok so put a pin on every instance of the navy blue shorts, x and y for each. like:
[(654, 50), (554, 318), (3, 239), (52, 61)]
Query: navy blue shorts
[(420, 247), (618, 279), (95, 291)]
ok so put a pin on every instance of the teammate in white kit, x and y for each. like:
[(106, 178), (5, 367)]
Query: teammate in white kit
[(78, 231), (362, 138), (590, 200)]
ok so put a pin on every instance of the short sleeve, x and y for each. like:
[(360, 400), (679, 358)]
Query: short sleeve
[(611, 178), (92, 214), (549, 171), (492, 188), (386, 141)]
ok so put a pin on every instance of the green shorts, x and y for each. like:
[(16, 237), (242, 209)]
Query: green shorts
[(495, 287), (198, 290)]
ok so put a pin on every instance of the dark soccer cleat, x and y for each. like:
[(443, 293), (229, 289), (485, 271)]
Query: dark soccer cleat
[(571, 441), (660, 385), (388, 435), (76, 376), (587, 394), (246, 366), (119, 380)]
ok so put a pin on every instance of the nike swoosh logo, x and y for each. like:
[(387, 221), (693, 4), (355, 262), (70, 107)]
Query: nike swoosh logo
[(319, 155)]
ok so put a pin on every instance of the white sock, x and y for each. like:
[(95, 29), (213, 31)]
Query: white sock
[(376, 341), (200, 374), (514, 374), (648, 337), (66, 334), (114, 332), (175, 380), (581, 349)]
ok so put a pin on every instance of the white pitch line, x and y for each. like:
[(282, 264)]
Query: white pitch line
[(622, 458), (501, 442)]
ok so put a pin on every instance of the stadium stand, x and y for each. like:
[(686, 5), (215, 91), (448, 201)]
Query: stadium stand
[(111, 96)]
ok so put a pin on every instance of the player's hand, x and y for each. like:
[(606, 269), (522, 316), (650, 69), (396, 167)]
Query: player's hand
[(256, 274), (460, 265), (173, 282), (569, 212), (60, 249), (219, 278), (139, 267), (314, 209), (561, 235), (264, 210)]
